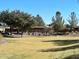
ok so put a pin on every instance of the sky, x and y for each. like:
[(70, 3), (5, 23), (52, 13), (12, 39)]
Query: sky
[(45, 8)]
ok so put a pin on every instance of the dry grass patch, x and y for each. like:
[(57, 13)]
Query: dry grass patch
[(27, 48)]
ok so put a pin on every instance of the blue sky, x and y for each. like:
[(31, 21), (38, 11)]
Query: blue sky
[(45, 8)]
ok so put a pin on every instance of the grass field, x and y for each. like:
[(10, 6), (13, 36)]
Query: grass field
[(28, 48)]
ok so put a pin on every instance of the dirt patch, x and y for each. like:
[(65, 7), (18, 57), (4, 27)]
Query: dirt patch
[(3, 41)]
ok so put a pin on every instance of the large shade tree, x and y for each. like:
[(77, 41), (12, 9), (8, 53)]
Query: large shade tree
[(20, 20), (16, 19)]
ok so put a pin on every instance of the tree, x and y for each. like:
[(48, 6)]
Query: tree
[(5, 17), (58, 22), (38, 21), (16, 19), (73, 21)]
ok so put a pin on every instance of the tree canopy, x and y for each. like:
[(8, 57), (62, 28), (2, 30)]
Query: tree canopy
[(24, 21), (20, 20), (38, 21)]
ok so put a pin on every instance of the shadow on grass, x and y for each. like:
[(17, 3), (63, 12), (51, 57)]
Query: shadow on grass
[(63, 42), (64, 45), (72, 57), (60, 49)]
